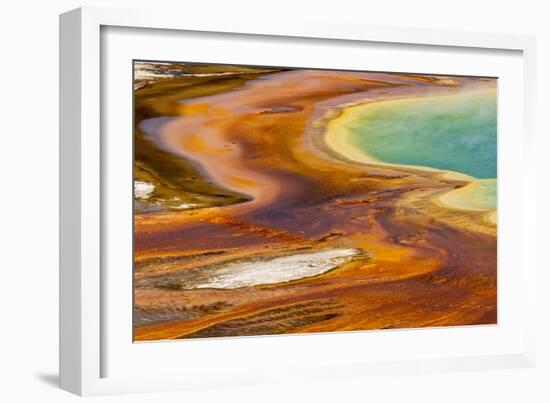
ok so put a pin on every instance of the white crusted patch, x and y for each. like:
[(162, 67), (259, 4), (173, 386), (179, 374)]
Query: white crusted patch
[(276, 270), (143, 190), (185, 206)]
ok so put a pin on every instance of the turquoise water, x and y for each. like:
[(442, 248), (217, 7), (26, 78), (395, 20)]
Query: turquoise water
[(456, 133), (485, 195), (478, 195)]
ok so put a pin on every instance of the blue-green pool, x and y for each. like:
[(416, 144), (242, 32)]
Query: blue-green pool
[(454, 132)]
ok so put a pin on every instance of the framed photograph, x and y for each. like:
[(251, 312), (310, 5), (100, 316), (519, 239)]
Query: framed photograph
[(243, 203)]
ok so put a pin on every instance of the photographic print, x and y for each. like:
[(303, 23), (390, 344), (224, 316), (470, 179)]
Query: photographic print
[(277, 200)]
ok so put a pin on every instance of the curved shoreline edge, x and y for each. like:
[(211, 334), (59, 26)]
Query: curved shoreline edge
[(338, 139)]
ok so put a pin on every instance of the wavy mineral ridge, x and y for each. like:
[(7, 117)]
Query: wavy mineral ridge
[(279, 201)]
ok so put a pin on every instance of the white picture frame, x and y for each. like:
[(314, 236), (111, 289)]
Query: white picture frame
[(83, 306)]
